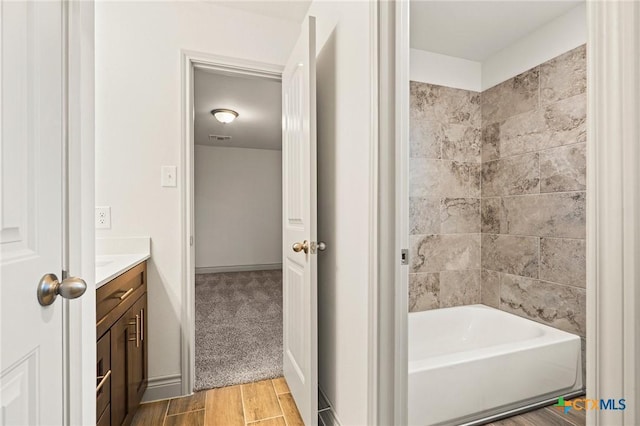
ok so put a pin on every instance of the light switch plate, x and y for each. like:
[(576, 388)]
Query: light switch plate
[(103, 217), (169, 178)]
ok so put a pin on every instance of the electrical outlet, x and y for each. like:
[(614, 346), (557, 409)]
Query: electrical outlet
[(103, 217)]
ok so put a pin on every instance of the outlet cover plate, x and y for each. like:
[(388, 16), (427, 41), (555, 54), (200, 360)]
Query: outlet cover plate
[(103, 217)]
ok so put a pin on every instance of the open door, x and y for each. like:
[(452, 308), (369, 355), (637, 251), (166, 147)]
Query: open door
[(32, 117), (299, 190)]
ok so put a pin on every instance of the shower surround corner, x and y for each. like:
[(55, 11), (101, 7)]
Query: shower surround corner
[(497, 195)]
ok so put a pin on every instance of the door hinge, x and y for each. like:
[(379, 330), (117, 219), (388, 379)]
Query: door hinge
[(404, 256), (191, 240)]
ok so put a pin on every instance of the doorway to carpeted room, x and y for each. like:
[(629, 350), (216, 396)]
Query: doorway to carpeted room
[(237, 190), (238, 328)]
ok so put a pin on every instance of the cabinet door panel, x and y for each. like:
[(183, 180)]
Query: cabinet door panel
[(121, 333), (103, 367), (105, 419), (137, 379)]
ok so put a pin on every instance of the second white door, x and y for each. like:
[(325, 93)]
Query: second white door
[(300, 271)]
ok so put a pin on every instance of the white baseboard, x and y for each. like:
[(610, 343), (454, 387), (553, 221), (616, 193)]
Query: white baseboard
[(163, 387), (238, 268)]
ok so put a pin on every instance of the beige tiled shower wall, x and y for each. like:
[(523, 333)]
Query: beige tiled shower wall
[(444, 203), (497, 187)]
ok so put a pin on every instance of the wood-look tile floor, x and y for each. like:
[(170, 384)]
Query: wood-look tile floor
[(264, 403), (547, 416), (269, 403)]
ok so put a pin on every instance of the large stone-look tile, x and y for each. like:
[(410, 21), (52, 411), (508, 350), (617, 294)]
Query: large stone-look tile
[(490, 288), (511, 176), (546, 215), (424, 292), (475, 180), (564, 76), (492, 216), (444, 123), (459, 288), (566, 122), (564, 169), (510, 254), (491, 142), (460, 215), (462, 143), (445, 104), (556, 305), (563, 261), (561, 123), (425, 139), (521, 133), (435, 253), (514, 96), (424, 215), (438, 178)]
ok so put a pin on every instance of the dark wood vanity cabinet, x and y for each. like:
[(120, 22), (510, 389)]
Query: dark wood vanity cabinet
[(122, 346)]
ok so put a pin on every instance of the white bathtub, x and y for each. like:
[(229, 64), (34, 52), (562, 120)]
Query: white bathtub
[(472, 362)]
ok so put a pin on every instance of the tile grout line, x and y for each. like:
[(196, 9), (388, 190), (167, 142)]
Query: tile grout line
[(244, 414), (279, 403), (164, 419), (185, 412), (266, 418)]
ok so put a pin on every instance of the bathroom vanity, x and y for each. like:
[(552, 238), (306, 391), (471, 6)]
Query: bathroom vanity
[(121, 330)]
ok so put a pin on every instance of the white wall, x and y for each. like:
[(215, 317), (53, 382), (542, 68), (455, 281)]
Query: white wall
[(238, 207), (564, 33), (345, 203), (138, 129), (443, 70)]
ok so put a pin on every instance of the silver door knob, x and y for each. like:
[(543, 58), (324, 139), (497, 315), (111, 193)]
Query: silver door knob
[(321, 246), (49, 288)]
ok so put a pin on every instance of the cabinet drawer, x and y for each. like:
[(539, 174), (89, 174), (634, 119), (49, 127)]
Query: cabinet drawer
[(103, 370), (120, 290), (105, 418)]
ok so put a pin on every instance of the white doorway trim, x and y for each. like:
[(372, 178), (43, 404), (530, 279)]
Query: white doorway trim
[(613, 209), (189, 62), (402, 47), (393, 212), (80, 315)]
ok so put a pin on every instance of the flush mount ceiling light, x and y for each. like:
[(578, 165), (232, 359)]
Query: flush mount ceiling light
[(224, 115)]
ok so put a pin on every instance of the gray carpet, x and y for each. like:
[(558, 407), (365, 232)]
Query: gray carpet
[(238, 328)]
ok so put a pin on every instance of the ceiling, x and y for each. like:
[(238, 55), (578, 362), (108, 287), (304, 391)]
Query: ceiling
[(257, 101), (291, 10), (475, 30)]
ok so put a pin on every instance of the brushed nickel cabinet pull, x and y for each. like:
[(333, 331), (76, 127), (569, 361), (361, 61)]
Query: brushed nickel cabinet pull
[(126, 294), (103, 380), (142, 324)]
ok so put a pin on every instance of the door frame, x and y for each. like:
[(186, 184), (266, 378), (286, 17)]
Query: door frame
[(79, 316), (190, 60), (613, 208), (613, 300), (393, 211)]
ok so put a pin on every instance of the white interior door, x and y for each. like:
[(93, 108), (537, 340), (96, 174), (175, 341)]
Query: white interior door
[(31, 211), (299, 184)]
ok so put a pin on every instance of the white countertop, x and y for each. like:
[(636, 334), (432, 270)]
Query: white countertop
[(110, 266), (115, 256)]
